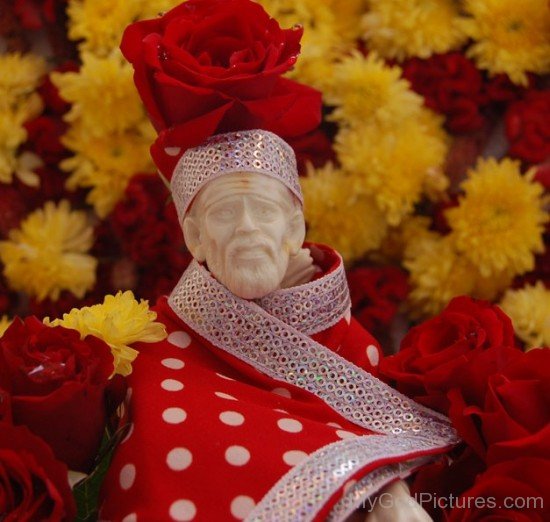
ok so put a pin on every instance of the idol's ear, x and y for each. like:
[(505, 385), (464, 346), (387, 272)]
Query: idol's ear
[(297, 232), (192, 237)]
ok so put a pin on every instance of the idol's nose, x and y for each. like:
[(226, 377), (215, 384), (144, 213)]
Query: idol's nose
[(246, 221)]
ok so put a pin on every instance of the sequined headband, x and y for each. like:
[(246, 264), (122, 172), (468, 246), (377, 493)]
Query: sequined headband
[(254, 151)]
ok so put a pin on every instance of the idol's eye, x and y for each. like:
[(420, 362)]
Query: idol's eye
[(266, 211), (223, 213)]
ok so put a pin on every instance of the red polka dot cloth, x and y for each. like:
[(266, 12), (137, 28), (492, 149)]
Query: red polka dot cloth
[(263, 410)]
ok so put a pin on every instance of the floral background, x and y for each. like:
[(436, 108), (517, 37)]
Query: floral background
[(430, 174)]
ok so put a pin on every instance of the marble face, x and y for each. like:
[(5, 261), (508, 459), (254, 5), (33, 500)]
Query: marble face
[(245, 226)]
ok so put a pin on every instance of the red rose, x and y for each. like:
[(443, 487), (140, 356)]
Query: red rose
[(57, 383), (210, 66), (432, 354), (450, 84), (514, 490), (513, 419), (33, 484), (376, 293), (528, 127)]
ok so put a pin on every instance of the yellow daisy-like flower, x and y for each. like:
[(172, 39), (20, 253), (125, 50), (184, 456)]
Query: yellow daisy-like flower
[(47, 254), (100, 23), (154, 8), (437, 274), (529, 309), (405, 28), (511, 36), (121, 322), (322, 42), (337, 216), (366, 90), (499, 222), (392, 166), (5, 322), (12, 135), (103, 96), (19, 77), (106, 164)]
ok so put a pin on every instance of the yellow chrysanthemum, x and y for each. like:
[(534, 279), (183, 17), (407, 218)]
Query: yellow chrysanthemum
[(322, 41), (511, 36), (411, 232), (5, 322), (153, 8), (19, 77), (529, 309), (392, 166), (12, 135), (106, 164), (366, 90), (103, 96), (121, 322), (405, 28), (498, 223), (47, 254), (100, 23), (337, 216), (437, 274)]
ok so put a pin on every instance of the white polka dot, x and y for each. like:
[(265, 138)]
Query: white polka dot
[(172, 151), (183, 510), (334, 424), (224, 376), (129, 434), (348, 485), (347, 316), (283, 392), (281, 411), (179, 459), (231, 418), (343, 434), (237, 455), (372, 354), (294, 457), (132, 517), (290, 425), (225, 396), (171, 385), (173, 364), (174, 415), (127, 476), (241, 506), (179, 339)]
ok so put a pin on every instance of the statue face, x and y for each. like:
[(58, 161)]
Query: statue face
[(245, 225)]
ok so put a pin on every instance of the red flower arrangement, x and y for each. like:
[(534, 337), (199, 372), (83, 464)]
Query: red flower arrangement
[(220, 77), (56, 383), (33, 483), (528, 127)]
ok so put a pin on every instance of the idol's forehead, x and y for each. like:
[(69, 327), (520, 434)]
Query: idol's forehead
[(244, 184)]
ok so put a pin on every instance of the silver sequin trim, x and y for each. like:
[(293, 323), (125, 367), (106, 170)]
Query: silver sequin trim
[(302, 492), (311, 307), (357, 495), (245, 151), (279, 350)]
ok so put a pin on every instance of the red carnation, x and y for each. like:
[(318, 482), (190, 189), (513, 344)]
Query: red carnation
[(376, 294), (433, 353), (57, 382), (452, 85), (528, 127), (33, 484), (211, 66)]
